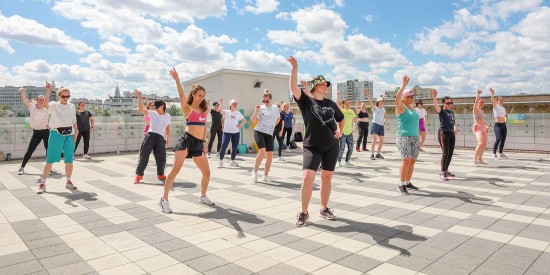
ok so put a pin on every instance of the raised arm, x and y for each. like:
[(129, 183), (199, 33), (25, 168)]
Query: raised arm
[(338, 97), (434, 98), (304, 83), (357, 107), (183, 99), (294, 78), (476, 101), (254, 116), (48, 92), (140, 102), (399, 109), (24, 98), (367, 94), (493, 101)]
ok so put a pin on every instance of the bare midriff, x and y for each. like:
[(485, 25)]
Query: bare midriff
[(500, 119)]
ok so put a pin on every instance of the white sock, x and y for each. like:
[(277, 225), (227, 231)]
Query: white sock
[(407, 182), (68, 179), (402, 183)]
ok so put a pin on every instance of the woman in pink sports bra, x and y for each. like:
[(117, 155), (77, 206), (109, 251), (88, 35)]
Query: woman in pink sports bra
[(146, 118), (192, 143), (480, 129)]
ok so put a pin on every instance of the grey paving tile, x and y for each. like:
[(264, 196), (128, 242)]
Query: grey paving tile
[(106, 230), (507, 227), (37, 235), (133, 225), (187, 253), (468, 263), (305, 245), (474, 251), (44, 242), (446, 240), (483, 243), (146, 214), (490, 267), (16, 258), (475, 224), (144, 231), (26, 223), (31, 228), (416, 218), (228, 269), (516, 256), (410, 262), (542, 264), (441, 222), (282, 269), (206, 263), (271, 229), (438, 268), (427, 252), (369, 238), (537, 232), (157, 220), (72, 269), (171, 245), (49, 251), (22, 268), (88, 218), (359, 262), (60, 260), (329, 253), (282, 238), (97, 224), (157, 238)]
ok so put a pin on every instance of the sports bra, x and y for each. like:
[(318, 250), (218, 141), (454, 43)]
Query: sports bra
[(147, 118), (362, 114), (197, 119), (499, 111), (480, 116)]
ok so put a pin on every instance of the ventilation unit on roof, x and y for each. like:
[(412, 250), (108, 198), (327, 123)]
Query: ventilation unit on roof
[(257, 84)]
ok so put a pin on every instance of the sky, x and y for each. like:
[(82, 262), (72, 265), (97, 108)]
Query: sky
[(456, 47)]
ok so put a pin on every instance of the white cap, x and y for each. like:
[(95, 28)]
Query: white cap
[(231, 102), (379, 99)]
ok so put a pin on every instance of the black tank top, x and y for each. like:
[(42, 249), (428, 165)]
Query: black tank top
[(362, 114)]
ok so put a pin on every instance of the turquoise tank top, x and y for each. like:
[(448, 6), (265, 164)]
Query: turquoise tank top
[(408, 123)]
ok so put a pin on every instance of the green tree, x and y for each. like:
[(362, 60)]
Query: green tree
[(174, 111), (102, 111)]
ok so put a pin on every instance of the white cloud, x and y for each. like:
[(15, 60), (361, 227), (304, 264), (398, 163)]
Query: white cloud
[(262, 6), (194, 44), (319, 24), (31, 32), (369, 17), (261, 61), (339, 3), (114, 47), (284, 37), (502, 9)]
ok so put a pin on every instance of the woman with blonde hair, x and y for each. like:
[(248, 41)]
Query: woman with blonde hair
[(501, 118), (480, 129), (38, 120)]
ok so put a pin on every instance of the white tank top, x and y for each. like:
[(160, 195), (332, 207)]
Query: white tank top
[(499, 111)]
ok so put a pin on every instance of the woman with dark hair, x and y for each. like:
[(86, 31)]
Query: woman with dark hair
[(323, 122), (480, 129), (289, 121), (379, 118), (267, 116), (192, 143), (215, 128), (156, 140), (501, 118), (85, 123), (278, 133), (447, 132), (146, 118), (38, 121), (362, 126), (422, 114), (347, 132)]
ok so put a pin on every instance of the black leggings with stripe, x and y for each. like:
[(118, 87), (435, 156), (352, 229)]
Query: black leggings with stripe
[(447, 143)]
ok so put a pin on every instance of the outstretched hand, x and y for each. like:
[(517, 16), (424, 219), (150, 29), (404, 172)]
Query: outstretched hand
[(137, 93), (304, 83), (434, 93), (22, 90), (48, 86), (492, 91), (479, 92), (406, 80), (174, 74), (367, 92), (292, 61)]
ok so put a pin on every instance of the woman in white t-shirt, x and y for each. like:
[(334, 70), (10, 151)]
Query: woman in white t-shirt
[(423, 114), (267, 116), (379, 118), (233, 121), (39, 123), (156, 139)]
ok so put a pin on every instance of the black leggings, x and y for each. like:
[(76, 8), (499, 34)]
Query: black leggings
[(447, 142), (280, 140), (37, 137), (213, 133), (500, 132), (155, 143), (288, 133), (86, 135), (363, 133)]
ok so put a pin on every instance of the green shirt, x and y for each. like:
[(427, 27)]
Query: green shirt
[(407, 123), (349, 114)]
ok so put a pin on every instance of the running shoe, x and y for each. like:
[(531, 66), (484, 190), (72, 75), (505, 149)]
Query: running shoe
[(233, 164), (217, 154), (449, 174), (357, 149), (365, 149), (205, 200), (411, 186), (220, 164), (254, 176), (280, 159), (443, 177), (287, 150), (482, 162), (165, 206), (502, 156), (266, 178), (372, 157), (327, 213), (340, 164), (495, 157), (86, 156), (161, 177), (348, 164), (138, 179), (422, 150), (474, 162), (69, 185), (21, 171), (378, 156), (41, 188), (208, 155), (403, 190), (302, 219)]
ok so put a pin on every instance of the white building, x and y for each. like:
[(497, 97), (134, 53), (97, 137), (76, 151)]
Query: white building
[(354, 89), (244, 86), (10, 95)]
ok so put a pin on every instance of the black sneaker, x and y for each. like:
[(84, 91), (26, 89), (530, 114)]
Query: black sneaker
[(327, 213), (449, 174), (372, 157), (365, 149), (302, 219), (378, 156), (411, 186), (403, 190)]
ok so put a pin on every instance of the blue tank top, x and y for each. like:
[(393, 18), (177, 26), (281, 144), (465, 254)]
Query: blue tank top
[(408, 124)]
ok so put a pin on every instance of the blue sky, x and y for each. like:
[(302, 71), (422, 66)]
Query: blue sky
[(456, 47)]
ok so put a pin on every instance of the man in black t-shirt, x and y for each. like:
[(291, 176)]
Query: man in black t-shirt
[(323, 127), (216, 128), (85, 123)]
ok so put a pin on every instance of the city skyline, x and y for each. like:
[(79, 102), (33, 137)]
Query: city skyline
[(455, 47)]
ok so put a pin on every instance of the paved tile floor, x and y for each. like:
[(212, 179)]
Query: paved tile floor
[(488, 220)]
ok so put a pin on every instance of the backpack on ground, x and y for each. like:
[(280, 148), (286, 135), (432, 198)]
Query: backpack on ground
[(293, 145), (298, 136)]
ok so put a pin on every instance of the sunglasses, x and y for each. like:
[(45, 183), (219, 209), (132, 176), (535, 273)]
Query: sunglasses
[(265, 101), (65, 96), (449, 103)]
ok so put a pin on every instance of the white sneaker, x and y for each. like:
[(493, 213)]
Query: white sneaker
[(220, 164), (280, 159), (348, 164), (165, 206), (287, 150), (206, 200), (21, 171), (233, 164), (41, 188), (208, 155), (254, 176), (495, 157), (266, 178), (340, 164), (217, 154), (86, 156), (502, 156)]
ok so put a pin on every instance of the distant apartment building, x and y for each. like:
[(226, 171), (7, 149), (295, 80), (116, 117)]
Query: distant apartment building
[(419, 93), (126, 102), (11, 96), (354, 89)]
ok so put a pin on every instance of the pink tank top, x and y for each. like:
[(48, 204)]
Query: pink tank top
[(197, 119), (146, 118)]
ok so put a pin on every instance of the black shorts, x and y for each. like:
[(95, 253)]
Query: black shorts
[(264, 140), (193, 145), (326, 157)]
